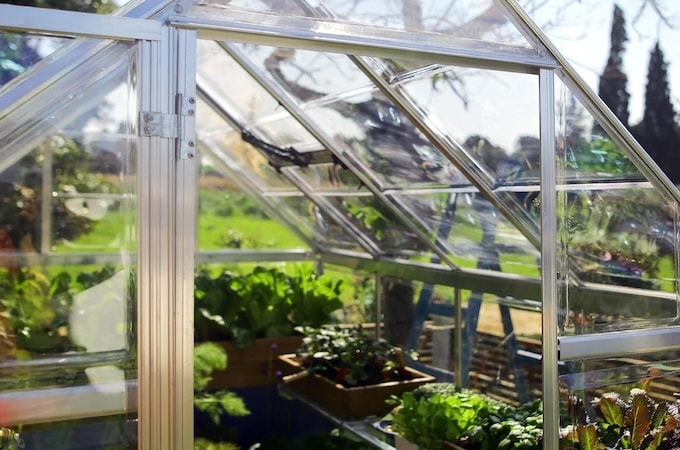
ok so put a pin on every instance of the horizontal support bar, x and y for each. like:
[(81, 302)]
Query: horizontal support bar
[(69, 23), (352, 39), (618, 343)]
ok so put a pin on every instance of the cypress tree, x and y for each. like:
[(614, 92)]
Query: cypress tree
[(658, 132), (612, 88)]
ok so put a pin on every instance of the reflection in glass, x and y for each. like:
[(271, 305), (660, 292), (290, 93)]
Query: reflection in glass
[(68, 330), (325, 230), (471, 19), (614, 229), (388, 146), (380, 224), (609, 402), (492, 115), (476, 234), (329, 177), (20, 51)]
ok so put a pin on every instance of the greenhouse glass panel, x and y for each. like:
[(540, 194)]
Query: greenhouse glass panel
[(382, 225), (473, 230), (224, 145), (82, 88), (493, 115), (69, 321), (327, 231), (476, 20), (20, 51), (615, 230), (329, 178), (627, 398)]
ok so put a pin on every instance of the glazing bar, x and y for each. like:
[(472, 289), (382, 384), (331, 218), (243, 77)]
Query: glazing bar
[(352, 39), (618, 343), (70, 23), (549, 285)]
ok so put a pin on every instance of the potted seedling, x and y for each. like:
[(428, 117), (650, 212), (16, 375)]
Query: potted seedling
[(348, 372)]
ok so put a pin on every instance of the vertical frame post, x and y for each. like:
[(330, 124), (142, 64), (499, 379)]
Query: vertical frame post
[(549, 260), (166, 242)]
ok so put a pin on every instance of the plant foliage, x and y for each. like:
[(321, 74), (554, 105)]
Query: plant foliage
[(266, 302), (350, 357)]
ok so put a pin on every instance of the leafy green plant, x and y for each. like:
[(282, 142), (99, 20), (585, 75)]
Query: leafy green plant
[(439, 412), (37, 309), (209, 356), (266, 302), (314, 298), (10, 439), (636, 423), (350, 356)]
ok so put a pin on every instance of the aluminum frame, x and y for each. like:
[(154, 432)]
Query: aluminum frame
[(165, 254), (70, 23)]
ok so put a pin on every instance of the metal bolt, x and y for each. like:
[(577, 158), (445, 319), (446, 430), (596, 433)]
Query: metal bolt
[(148, 129), (192, 100), (148, 117), (178, 8), (190, 155), (190, 143), (190, 112)]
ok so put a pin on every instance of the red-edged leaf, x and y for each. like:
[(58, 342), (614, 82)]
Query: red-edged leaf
[(611, 411), (587, 437), (638, 420)]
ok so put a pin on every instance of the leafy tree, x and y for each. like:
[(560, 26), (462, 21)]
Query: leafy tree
[(612, 88), (658, 132)]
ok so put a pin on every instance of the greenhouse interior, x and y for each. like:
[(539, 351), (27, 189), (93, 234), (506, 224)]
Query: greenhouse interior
[(304, 224)]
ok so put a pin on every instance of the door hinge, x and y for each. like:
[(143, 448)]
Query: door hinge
[(178, 126), (186, 144), (158, 124)]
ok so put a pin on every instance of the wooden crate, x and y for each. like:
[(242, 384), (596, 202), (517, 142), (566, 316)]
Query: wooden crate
[(253, 366), (349, 403)]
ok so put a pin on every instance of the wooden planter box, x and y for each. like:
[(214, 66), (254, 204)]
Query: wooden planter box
[(253, 366), (348, 403)]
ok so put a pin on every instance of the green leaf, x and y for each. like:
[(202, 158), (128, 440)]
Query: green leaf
[(587, 437), (639, 420), (611, 411)]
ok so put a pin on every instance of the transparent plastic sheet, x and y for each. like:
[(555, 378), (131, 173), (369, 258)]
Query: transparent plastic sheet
[(472, 230), (614, 230), (68, 97), (617, 401), (20, 51), (69, 331), (476, 20)]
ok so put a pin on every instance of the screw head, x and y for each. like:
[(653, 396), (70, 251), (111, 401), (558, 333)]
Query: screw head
[(191, 144)]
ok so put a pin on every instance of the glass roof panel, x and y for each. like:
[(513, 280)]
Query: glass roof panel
[(475, 232), (323, 228), (590, 155), (226, 145), (616, 229), (381, 225), (385, 143), (329, 178), (493, 115), (478, 20), (309, 76), (20, 51)]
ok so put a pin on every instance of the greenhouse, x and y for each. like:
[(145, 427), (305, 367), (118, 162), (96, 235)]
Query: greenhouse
[(304, 224)]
